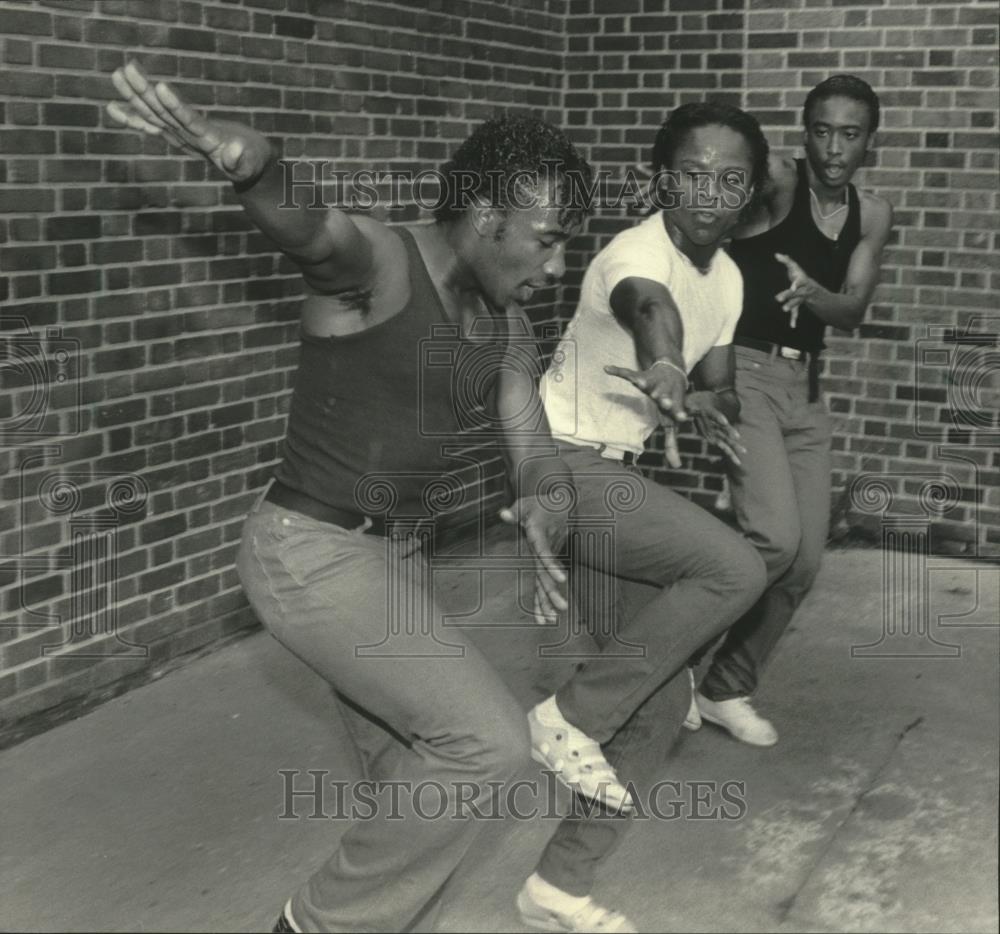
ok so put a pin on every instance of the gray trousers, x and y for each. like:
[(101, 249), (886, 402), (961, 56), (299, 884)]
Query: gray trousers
[(705, 577), (781, 495), (682, 577), (325, 592)]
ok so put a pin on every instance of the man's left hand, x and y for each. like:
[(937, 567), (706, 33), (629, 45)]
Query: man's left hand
[(713, 425), (543, 519)]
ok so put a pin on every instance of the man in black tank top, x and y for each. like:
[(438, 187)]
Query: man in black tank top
[(810, 259), (370, 425)]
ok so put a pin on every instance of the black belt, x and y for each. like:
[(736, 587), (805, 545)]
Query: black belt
[(788, 353), (287, 498)]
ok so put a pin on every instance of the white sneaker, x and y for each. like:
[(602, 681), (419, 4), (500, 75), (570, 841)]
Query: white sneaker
[(547, 908), (693, 719), (575, 758), (739, 718)]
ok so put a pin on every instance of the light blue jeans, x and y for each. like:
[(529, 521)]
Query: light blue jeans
[(326, 592)]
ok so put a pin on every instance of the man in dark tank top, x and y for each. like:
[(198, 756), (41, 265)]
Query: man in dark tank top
[(388, 316), (331, 556), (810, 258)]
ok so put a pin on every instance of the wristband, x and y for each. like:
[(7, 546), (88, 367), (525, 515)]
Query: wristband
[(669, 363)]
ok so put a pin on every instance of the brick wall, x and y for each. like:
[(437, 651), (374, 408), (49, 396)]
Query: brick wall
[(148, 334), (628, 63), (916, 393)]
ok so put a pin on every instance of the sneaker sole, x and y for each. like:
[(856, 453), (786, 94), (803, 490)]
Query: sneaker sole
[(535, 916)]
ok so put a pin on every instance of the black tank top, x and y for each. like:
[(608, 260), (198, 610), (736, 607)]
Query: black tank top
[(823, 259), (373, 413)]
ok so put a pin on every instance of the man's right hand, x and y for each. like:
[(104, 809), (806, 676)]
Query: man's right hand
[(238, 151), (666, 384)]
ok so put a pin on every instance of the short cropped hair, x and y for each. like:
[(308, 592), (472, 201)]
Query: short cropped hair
[(690, 117), (848, 86), (508, 153)]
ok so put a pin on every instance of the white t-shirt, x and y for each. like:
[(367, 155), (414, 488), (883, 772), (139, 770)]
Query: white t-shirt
[(587, 406)]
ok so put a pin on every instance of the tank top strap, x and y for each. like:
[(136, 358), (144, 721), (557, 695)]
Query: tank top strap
[(424, 295), (851, 232)]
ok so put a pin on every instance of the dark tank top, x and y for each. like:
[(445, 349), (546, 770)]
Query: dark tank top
[(823, 259), (373, 414)]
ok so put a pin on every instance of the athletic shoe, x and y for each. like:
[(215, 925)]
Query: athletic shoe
[(575, 758), (739, 718), (547, 908)]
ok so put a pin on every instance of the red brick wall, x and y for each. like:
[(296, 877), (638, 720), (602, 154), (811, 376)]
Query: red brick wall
[(149, 335)]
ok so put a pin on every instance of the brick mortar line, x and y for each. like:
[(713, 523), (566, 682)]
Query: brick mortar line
[(22, 7), (282, 62)]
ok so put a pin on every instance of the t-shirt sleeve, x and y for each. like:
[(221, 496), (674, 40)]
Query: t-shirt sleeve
[(732, 303), (634, 255)]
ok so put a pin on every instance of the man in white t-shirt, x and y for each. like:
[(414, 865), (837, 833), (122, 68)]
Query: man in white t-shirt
[(587, 405), (621, 370)]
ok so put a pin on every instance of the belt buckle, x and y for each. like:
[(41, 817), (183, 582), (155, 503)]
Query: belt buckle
[(790, 353)]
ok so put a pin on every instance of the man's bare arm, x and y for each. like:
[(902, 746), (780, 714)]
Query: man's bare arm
[(542, 482), (715, 406), (331, 251), (716, 373), (647, 310), (845, 310)]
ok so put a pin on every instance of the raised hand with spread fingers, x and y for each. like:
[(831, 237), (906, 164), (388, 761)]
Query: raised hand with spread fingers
[(156, 109)]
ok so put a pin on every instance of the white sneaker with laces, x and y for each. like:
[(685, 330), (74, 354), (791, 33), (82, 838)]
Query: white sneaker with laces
[(693, 719), (739, 718), (575, 758), (547, 908)]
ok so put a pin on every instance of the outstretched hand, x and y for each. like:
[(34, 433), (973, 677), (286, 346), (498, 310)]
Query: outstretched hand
[(713, 425), (666, 384), (239, 152), (543, 521)]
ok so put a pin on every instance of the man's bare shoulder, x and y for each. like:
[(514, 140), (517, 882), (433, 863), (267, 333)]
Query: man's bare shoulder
[(374, 231), (876, 214), (783, 173), (773, 202)]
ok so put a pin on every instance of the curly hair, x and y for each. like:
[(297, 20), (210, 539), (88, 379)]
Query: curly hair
[(688, 117), (505, 158), (848, 86)]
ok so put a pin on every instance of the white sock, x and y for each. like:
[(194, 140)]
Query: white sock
[(545, 893)]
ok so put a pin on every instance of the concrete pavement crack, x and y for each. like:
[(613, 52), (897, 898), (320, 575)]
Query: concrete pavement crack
[(785, 908)]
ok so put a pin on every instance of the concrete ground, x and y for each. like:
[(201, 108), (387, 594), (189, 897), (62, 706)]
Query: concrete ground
[(877, 810)]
